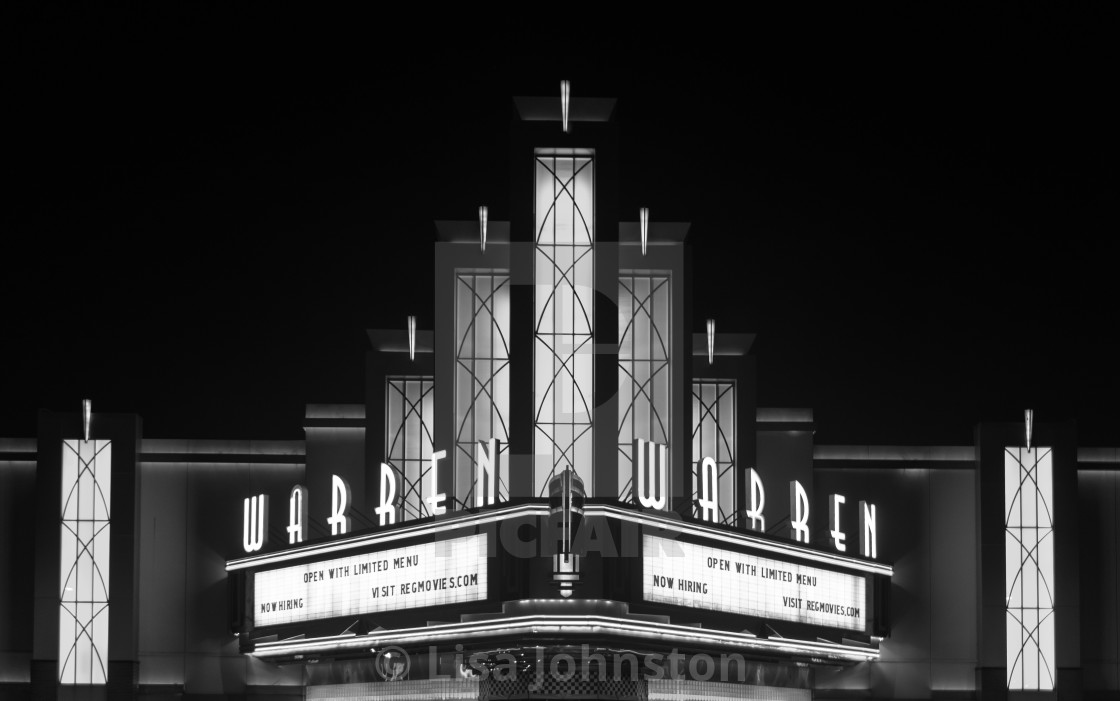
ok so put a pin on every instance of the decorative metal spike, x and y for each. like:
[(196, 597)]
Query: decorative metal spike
[(644, 216), (483, 213), (565, 97), (711, 341), (87, 417), (1028, 417), (412, 338)]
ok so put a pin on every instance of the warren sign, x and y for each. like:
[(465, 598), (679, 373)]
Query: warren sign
[(651, 491)]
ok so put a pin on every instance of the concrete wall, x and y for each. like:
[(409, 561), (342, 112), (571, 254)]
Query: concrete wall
[(1100, 582), (191, 523), (17, 556), (926, 529)]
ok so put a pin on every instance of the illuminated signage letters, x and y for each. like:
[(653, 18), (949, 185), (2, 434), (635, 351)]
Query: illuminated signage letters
[(758, 501), (798, 512), (707, 491), (487, 469), (651, 474), (436, 498), (387, 509), (430, 574), (650, 478), (255, 532), (297, 515), (339, 520), (698, 576)]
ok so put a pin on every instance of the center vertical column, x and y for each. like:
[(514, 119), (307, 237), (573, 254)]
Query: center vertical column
[(564, 316)]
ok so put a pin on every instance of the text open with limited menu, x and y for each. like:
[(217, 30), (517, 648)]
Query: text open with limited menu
[(685, 574), (430, 574)]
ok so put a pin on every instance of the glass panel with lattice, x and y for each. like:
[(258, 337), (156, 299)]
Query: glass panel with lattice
[(409, 407), (563, 351), (83, 608), (644, 333), (713, 436), (1029, 559), (481, 377)]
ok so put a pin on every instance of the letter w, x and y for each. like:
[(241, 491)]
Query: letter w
[(256, 520)]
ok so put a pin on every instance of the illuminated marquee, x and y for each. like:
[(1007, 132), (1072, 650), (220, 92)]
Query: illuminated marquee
[(698, 576), (430, 574)]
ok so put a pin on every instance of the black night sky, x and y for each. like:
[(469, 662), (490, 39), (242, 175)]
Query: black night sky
[(206, 207)]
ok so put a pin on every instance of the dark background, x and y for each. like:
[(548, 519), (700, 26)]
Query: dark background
[(207, 206)]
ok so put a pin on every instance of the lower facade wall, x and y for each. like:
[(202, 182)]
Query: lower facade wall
[(1099, 493), (927, 530)]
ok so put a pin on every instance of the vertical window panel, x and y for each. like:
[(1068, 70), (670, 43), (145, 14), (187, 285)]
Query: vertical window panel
[(408, 434), (563, 352), (481, 377), (1029, 568), (713, 436), (83, 616), (644, 339)]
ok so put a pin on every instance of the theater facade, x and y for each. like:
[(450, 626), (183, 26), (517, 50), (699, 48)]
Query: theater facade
[(560, 491)]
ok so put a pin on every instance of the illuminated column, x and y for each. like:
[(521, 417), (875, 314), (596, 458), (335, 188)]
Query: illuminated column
[(83, 615), (713, 436), (482, 379), (645, 339), (563, 352), (1029, 568), (409, 408), (86, 553)]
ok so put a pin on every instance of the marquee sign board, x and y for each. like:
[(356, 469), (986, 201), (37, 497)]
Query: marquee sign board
[(699, 576), (429, 574)]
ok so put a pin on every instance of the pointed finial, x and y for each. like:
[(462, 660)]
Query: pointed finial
[(1028, 417), (711, 341), (412, 338), (483, 213), (87, 417), (644, 216), (565, 97)]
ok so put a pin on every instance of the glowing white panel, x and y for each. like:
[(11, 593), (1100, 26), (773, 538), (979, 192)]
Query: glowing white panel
[(481, 378), (409, 407), (685, 574), (1029, 559), (563, 352), (430, 574), (644, 333), (83, 607), (713, 436)]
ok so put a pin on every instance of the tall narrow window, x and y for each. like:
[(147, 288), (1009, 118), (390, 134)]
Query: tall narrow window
[(713, 436), (563, 352), (83, 615), (644, 335), (481, 377), (1029, 530), (409, 407)]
